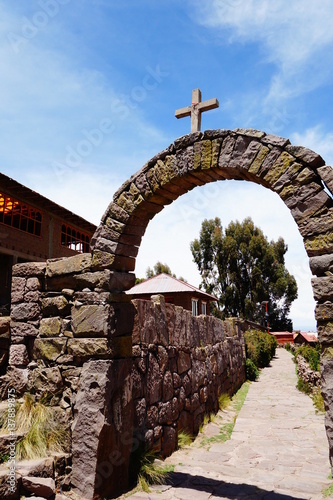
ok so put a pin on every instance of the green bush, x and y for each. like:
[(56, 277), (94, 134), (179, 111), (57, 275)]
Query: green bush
[(287, 346), (252, 371), (312, 356), (260, 347)]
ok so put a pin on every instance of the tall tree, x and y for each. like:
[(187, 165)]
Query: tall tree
[(159, 268), (243, 269)]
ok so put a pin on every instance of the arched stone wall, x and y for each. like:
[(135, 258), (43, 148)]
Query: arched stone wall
[(298, 175)]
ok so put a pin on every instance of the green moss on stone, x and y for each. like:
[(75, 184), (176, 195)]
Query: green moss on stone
[(206, 154), (50, 327), (48, 349), (319, 242), (216, 147), (280, 166), (259, 159)]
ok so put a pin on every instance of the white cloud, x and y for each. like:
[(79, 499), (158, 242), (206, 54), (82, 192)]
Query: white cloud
[(316, 139), (295, 36), (169, 234)]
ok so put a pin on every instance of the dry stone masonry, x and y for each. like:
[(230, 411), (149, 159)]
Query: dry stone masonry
[(182, 364), (72, 323)]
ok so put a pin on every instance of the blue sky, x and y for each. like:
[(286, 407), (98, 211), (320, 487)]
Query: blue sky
[(88, 91)]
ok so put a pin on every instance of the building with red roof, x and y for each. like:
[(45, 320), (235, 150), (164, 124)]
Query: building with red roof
[(175, 292)]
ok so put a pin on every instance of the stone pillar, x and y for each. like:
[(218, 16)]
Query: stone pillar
[(103, 429)]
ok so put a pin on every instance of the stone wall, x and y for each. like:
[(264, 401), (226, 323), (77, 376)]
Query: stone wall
[(181, 366), (71, 339)]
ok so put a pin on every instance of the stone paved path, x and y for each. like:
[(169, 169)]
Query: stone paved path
[(278, 449)]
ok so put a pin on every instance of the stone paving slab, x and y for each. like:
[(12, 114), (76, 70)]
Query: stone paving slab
[(278, 449)]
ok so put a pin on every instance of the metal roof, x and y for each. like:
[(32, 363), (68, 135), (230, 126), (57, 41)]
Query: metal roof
[(27, 195), (163, 284)]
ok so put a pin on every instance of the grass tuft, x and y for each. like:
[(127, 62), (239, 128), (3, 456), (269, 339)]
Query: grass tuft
[(224, 401), (184, 439), (318, 400), (150, 472), (42, 433)]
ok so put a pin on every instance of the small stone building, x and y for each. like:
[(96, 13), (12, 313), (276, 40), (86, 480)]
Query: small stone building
[(33, 228), (175, 292)]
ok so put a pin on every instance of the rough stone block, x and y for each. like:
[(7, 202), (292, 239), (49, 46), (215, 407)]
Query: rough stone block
[(89, 348), (323, 288), (4, 324), (308, 156), (319, 265), (55, 306), (310, 206), (39, 486), (18, 289), (48, 349), (320, 244), (184, 362), (324, 311), (51, 327), (45, 382), (68, 265), (103, 429), (91, 320), (18, 355), (22, 329), (26, 311), (29, 269)]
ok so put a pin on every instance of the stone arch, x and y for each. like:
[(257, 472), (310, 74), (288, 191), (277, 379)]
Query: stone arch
[(298, 175), (304, 183)]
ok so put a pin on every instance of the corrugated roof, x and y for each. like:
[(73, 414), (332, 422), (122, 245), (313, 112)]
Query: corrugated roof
[(163, 284)]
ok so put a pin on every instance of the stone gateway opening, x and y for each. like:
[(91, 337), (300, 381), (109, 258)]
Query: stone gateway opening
[(84, 318)]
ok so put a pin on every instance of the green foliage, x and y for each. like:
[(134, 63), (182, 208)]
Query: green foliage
[(318, 400), (42, 431), (252, 372), (159, 268), (303, 386), (260, 347), (328, 492), (4, 458), (287, 346), (312, 356), (243, 269)]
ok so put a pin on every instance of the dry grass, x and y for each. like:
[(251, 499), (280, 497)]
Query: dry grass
[(41, 431)]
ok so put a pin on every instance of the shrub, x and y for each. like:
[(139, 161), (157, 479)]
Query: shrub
[(252, 371), (260, 347), (303, 386), (287, 346), (312, 356)]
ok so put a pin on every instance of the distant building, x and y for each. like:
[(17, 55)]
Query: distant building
[(303, 338), (284, 337), (175, 292), (33, 228)]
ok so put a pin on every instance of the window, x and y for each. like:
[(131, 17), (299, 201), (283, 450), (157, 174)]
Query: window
[(74, 239), (194, 307), (16, 214), (204, 308)]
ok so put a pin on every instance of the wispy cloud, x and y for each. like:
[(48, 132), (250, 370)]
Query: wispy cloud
[(318, 140), (296, 37)]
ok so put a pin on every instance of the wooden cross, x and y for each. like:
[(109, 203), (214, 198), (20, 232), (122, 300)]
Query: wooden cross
[(197, 107)]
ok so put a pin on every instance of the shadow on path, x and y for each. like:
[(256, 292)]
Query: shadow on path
[(224, 490)]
